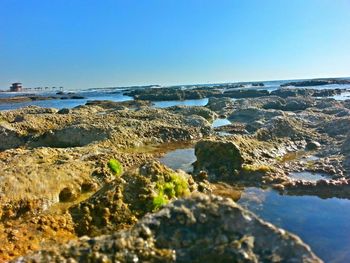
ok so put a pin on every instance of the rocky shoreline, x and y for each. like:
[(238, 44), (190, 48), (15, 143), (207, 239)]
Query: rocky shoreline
[(57, 184), (317, 82), (171, 94), (33, 97)]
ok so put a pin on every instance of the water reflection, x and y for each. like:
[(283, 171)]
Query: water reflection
[(321, 223), (180, 159), (308, 176), (342, 96), (220, 122), (165, 104), (66, 103)]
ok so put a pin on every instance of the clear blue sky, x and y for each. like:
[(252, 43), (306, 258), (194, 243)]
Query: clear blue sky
[(92, 43)]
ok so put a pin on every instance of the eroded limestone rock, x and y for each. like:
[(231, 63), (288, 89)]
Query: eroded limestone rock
[(218, 158), (198, 229), (121, 202)]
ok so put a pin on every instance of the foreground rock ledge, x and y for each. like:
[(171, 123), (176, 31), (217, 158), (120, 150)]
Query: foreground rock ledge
[(198, 229)]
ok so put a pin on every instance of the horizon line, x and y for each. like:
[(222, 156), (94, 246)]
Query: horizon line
[(190, 84)]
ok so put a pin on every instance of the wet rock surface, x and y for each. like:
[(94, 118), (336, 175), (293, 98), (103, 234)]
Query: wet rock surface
[(246, 93), (234, 128), (33, 97), (197, 229), (60, 155), (237, 92), (317, 82), (132, 104), (56, 184), (23, 236), (219, 158), (86, 124), (199, 111), (220, 105), (242, 159), (163, 94), (292, 92), (121, 202)]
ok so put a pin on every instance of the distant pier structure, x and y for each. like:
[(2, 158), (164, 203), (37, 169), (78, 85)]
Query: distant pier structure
[(16, 87)]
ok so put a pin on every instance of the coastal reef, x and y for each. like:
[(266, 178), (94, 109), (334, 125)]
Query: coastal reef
[(88, 184)]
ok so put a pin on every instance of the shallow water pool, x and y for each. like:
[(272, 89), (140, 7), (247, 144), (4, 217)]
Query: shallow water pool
[(180, 159), (165, 104), (324, 224), (220, 122), (67, 103), (308, 176)]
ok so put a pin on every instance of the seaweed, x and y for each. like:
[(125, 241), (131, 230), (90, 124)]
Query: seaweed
[(175, 186), (115, 166)]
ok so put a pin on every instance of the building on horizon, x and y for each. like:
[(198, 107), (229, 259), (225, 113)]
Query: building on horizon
[(16, 87)]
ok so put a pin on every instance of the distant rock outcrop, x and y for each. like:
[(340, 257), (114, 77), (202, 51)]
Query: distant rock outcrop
[(316, 82)]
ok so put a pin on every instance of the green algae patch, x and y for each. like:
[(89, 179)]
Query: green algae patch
[(159, 201), (115, 166), (120, 202), (173, 186), (257, 168)]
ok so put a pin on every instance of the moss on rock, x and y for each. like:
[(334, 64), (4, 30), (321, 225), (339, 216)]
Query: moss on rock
[(218, 158), (115, 166), (121, 202)]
